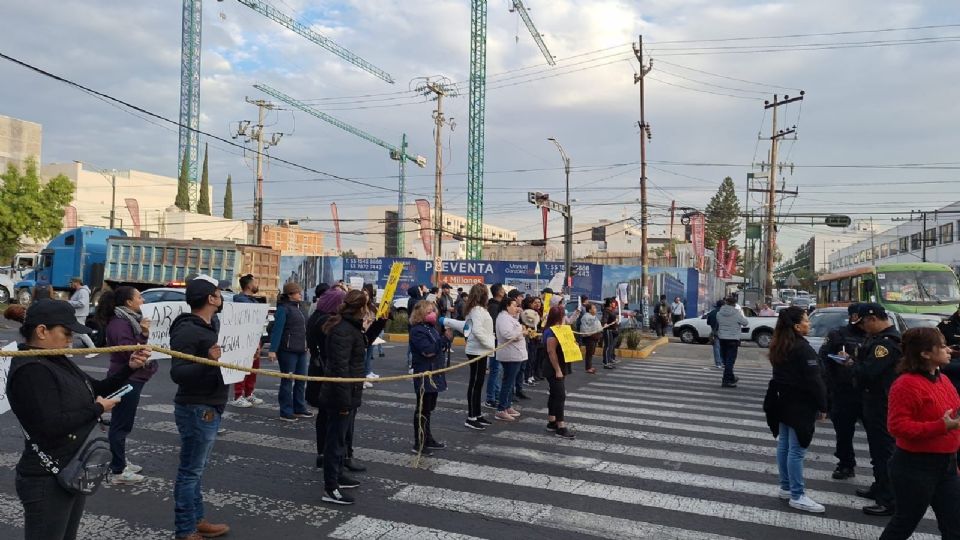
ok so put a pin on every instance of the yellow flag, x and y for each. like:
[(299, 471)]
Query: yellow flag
[(390, 290), (571, 351), (546, 308)]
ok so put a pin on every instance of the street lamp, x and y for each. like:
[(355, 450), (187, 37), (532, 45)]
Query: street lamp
[(567, 222)]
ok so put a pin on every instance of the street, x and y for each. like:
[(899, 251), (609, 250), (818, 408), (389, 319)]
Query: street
[(661, 452)]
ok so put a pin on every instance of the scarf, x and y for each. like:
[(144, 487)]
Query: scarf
[(134, 318)]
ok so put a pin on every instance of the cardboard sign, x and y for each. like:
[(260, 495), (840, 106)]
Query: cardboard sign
[(356, 282), (4, 369), (571, 351), (546, 308), (390, 289), (241, 326)]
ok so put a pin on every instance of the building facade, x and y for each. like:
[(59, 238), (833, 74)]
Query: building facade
[(381, 229), (932, 236), (290, 239), (19, 140)]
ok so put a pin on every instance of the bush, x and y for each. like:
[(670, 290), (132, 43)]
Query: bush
[(632, 339), (399, 324)]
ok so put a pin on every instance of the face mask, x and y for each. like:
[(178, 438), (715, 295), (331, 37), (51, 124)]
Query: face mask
[(255, 290), (430, 318), (220, 307)]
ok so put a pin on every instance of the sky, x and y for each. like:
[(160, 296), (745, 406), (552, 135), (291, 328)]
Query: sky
[(875, 134)]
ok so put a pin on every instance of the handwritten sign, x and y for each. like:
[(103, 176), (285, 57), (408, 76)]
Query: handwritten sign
[(241, 326), (4, 370), (395, 270), (356, 282), (571, 351), (546, 307)]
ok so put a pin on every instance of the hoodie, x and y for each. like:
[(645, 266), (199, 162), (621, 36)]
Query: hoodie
[(197, 384), (729, 321), (415, 297), (482, 339)]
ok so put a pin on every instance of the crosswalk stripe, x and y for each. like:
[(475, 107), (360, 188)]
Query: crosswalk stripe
[(693, 405), (686, 382), (770, 488), (614, 389), (373, 528), (92, 526), (544, 515), (731, 398), (676, 459), (690, 370)]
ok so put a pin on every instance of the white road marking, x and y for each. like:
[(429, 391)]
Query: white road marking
[(370, 528)]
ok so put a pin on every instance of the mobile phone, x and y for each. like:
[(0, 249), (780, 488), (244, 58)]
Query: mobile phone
[(121, 392)]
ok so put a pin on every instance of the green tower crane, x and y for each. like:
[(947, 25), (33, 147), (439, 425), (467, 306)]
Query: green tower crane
[(477, 111), (190, 46), (399, 154)]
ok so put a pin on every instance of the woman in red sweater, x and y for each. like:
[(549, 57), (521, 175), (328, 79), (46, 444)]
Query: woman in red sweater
[(922, 417)]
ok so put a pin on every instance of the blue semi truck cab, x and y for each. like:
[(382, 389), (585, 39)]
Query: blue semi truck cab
[(77, 252)]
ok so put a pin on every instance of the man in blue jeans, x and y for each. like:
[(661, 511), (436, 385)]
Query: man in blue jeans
[(199, 403), (496, 370)]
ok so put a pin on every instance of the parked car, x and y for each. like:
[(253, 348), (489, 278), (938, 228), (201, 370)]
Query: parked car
[(823, 320), (921, 320), (696, 330)]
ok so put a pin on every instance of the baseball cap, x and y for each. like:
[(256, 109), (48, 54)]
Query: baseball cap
[(853, 308), (201, 286), (54, 313), (871, 308)]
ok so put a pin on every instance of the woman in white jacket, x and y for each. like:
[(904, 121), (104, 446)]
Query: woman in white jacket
[(480, 341), (511, 356)]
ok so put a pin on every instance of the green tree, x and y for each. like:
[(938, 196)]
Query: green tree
[(203, 203), (31, 208), (183, 186), (228, 199), (723, 216), (348, 254)]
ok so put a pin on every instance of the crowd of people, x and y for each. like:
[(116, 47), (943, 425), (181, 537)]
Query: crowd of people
[(904, 391)]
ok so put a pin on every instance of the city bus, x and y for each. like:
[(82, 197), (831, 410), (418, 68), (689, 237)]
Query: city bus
[(899, 287)]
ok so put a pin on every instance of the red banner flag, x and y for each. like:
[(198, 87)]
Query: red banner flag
[(336, 224), (732, 255), (697, 231), (134, 208), (721, 254), (426, 231)]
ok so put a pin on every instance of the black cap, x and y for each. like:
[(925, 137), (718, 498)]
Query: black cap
[(54, 313), (853, 308), (201, 286), (870, 308)]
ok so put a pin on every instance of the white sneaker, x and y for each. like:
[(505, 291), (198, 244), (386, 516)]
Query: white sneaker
[(784, 495), (126, 478), (368, 385), (254, 399), (807, 505), (372, 375), (131, 468), (241, 402)]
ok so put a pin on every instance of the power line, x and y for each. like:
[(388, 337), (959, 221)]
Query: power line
[(819, 34)]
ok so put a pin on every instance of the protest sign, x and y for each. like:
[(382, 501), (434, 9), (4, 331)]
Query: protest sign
[(390, 289), (4, 370), (571, 351)]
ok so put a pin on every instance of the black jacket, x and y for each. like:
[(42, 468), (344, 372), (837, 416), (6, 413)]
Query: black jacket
[(54, 406), (197, 384), (415, 297), (796, 393), (849, 338), (316, 344), (345, 347), (950, 329), (493, 307), (875, 368)]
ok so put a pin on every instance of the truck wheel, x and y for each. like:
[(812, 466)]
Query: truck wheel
[(688, 335), (763, 338), (24, 297), (4, 295)]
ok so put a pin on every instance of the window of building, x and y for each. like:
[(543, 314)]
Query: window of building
[(884, 251), (904, 243), (946, 233), (930, 236), (893, 248), (914, 241)]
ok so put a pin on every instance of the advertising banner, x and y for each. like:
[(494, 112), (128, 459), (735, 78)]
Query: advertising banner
[(721, 257), (4, 370), (697, 230)]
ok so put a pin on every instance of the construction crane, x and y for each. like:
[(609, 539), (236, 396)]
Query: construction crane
[(477, 111), (396, 153), (190, 73)]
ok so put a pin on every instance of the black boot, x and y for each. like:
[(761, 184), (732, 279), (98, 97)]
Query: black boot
[(353, 465)]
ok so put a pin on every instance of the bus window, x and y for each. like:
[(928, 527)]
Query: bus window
[(844, 290), (834, 291)]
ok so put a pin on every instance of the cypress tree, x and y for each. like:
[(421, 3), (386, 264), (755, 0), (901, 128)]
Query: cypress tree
[(183, 187), (203, 203), (228, 199)]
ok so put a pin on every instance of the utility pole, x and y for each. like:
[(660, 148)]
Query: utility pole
[(113, 199), (775, 137), (645, 135), (256, 134), (923, 239), (567, 223), (439, 89)]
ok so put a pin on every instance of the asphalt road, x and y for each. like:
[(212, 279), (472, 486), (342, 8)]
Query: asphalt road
[(661, 452)]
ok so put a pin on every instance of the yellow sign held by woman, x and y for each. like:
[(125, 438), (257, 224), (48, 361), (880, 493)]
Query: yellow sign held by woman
[(571, 351), (390, 290)]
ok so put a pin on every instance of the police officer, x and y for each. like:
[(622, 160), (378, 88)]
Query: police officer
[(874, 373), (845, 405), (950, 328)]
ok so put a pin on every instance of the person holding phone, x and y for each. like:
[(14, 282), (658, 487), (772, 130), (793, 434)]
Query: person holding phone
[(57, 405), (923, 420), (127, 327), (198, 405)]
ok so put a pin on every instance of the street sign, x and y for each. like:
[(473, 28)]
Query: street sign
[(543, 199), (837, 220), (754, 231), (536, 269)]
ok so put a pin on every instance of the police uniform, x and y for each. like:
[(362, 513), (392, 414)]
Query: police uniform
[(874, 373), (846, 407)]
